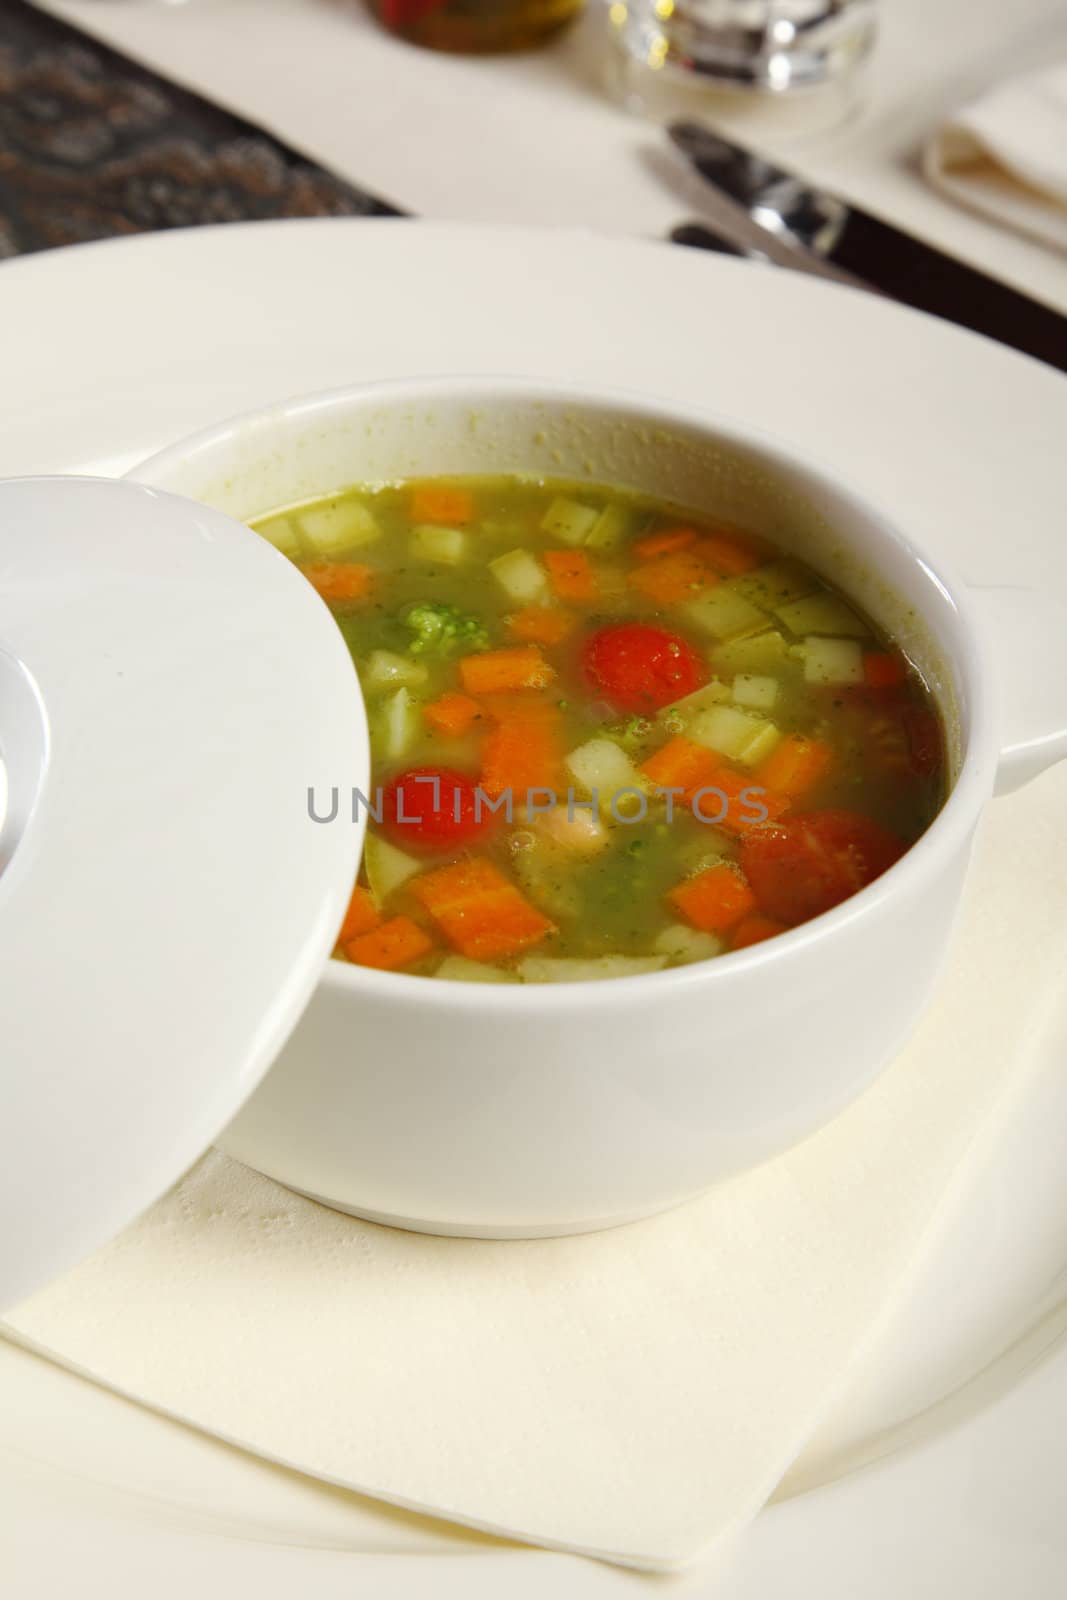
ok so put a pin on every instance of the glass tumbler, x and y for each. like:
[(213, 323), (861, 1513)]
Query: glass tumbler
[(770, 45)]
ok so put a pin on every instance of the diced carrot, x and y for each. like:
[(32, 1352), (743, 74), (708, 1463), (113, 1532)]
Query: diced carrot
[(395, 943), (883, 669), (541, 624), (571, 574), (524, 707), (681, 764), (715, 900), (522, 668), (479, 912), (729, 554), (671, 578), (339, 582), (733, 787), (754, 929), (441, 502), (447, 887), (663, 543), (795, 766), (451, 713), (361, 916), (520, 755)]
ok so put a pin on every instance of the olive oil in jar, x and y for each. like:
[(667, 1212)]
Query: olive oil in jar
[(475, 27)]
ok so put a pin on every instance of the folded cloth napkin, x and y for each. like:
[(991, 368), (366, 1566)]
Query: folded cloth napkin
[(634, 1395), (1006, 155)]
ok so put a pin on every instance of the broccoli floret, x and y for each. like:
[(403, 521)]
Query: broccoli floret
[(441, 629)]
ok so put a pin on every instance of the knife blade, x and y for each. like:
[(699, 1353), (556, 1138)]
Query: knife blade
[(765, 210)]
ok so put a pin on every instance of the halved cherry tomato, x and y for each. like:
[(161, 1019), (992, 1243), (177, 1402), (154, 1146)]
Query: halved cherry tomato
[(809, 863), (433, 809), (640, 668)]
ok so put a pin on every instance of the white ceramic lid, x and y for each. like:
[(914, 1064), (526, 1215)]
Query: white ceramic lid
[(170, 687)]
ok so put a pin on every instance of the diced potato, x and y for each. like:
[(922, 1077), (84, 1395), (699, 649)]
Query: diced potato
[(580, 834), (609, 529), (724, 613), (332, 528), (712, 694), (432, 542), (775, 584), (679, 943), (603, 765), (679, 712), (569, 520), (833, 661), (280, 532), (757, 652), (762, 744), (521, 576), (723, 728), (386, 866), (570, 969), (400, 724), (461, 970), (734, 734), (384, 670), (822, 613), (752, 690)]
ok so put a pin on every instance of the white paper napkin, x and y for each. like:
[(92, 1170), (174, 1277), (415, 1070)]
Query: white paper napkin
[(634, 1395), (1006, 155)]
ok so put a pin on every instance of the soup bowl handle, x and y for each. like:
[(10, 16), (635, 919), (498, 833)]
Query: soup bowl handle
[(1026, 636)]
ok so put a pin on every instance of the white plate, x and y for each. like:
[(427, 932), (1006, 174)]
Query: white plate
[(112, 350)]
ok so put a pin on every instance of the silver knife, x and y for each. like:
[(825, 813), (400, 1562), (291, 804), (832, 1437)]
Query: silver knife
[(757, 208)]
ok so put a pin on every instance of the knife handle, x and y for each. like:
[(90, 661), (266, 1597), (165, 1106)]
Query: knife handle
[(928, 279)]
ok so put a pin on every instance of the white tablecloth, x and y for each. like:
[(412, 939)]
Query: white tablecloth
[(535, 138)]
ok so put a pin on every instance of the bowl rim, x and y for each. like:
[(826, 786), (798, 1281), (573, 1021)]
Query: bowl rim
[(948, 831)]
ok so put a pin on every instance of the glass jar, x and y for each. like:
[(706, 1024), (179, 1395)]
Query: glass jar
[(475, 27)]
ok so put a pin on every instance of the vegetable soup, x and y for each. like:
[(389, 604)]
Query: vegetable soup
[(608, 736)]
